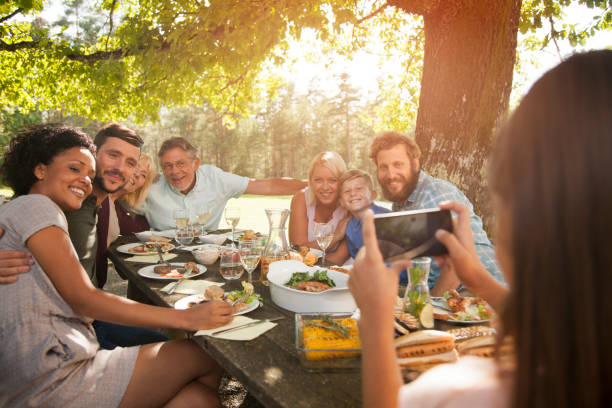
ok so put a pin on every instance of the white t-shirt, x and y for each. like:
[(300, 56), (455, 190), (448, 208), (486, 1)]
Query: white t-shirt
[(471, 382), (213, 186)]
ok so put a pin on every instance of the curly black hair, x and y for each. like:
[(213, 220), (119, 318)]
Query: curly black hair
[(35, 145)]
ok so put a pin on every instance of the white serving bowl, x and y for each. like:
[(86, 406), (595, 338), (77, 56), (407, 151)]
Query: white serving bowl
[(338, 299), (207, 254)]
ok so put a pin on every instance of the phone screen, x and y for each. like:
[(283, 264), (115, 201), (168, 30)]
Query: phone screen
[(399, 232)]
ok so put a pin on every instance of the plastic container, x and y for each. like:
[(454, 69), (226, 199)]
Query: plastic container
[(322, 359)]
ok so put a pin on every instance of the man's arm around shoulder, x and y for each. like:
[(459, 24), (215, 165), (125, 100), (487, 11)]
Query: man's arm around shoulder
[(275, 186)]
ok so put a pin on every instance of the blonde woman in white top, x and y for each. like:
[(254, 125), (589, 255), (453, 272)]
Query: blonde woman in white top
[(319, 202)]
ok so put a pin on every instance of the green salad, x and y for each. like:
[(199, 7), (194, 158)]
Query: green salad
[(319, 275), (246, 295)]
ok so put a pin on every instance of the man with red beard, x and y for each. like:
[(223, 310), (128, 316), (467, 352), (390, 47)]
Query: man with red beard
[(409, 188)]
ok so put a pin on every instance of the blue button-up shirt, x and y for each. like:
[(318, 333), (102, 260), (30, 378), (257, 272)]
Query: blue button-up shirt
[(429, 193)]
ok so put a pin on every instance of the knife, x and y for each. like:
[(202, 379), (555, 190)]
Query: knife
[(178, 282), (243, 326)]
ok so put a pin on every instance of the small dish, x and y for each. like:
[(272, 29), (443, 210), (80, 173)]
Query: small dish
[(207, 254)]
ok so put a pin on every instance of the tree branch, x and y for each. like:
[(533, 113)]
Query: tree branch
[(13, 14), (110, 23), (372, 14), (554, 37), (421, 7), (18, 46), (99, 55)]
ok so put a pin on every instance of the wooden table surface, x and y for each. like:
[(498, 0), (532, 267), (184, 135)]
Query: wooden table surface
[(267, 366)]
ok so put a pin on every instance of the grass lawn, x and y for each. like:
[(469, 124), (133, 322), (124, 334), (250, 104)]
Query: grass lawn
[(252, 208)]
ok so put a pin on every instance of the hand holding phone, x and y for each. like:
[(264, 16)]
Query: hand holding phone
[(411, 233)]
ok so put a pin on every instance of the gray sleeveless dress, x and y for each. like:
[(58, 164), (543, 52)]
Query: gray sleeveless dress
[(49, 356)]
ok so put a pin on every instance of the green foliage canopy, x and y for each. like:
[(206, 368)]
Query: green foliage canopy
[(155, 53)]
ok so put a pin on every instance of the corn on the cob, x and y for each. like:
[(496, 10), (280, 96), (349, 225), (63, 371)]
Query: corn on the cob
[(317, 338)]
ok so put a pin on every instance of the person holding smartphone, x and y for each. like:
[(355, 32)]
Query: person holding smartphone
[(549, 176)]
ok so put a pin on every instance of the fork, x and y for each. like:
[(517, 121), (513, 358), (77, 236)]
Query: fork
[(161, 256)]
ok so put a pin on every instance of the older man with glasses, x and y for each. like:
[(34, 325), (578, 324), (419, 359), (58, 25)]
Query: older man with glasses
[(187, 184)]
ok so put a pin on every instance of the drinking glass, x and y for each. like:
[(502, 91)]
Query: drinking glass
[(230, 266), (203, 215), (185, 235), (324, 234), (250, 253), (232, 216), (181, 218)]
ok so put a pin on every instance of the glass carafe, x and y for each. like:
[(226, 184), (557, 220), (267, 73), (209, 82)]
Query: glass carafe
[(276, 247), (417, 301)]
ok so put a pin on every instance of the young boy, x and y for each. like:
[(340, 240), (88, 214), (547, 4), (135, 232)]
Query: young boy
[(357, 195)]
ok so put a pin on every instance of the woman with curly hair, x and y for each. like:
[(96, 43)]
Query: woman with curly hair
[(50, 354)]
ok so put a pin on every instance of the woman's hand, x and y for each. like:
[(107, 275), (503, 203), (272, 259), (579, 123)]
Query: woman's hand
[(373, 285), (209, 315), (340, 231), (463, 260)]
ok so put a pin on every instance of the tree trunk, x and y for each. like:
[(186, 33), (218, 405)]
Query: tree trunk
[(470, 50)]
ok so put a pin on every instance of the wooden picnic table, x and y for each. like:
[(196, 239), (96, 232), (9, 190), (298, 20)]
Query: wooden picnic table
[(267, 366)]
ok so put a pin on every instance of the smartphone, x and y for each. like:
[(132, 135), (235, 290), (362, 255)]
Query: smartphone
[(399, 232)]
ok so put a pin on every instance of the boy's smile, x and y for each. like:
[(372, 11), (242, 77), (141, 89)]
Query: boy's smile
[(355, 195)]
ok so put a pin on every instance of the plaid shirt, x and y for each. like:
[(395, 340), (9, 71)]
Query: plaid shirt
[(429, 193)]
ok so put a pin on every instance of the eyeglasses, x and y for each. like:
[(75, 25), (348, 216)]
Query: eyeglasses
[(181, 164)]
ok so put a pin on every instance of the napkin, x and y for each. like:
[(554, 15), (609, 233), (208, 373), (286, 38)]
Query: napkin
[(150, 258), (189, 287), (246, 334)]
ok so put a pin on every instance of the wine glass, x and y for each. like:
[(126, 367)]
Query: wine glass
[(203, 215), (232, 216), (323, 233), (181, 217), (250, 253)]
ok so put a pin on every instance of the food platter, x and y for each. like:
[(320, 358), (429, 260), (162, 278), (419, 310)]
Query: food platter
[(184, 303), (148, 272), (130, 249)]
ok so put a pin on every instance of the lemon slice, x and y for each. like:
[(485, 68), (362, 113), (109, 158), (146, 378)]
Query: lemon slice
[(427, 316)]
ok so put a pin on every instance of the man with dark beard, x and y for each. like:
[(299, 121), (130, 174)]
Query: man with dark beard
[(118, 150), (116, 159), (409, 188)]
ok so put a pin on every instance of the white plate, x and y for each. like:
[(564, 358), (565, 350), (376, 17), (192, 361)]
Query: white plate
[(148, 272), (183, 304), (216, 239), (317, 252), (125, 249), (440, 301), (145, 235)]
